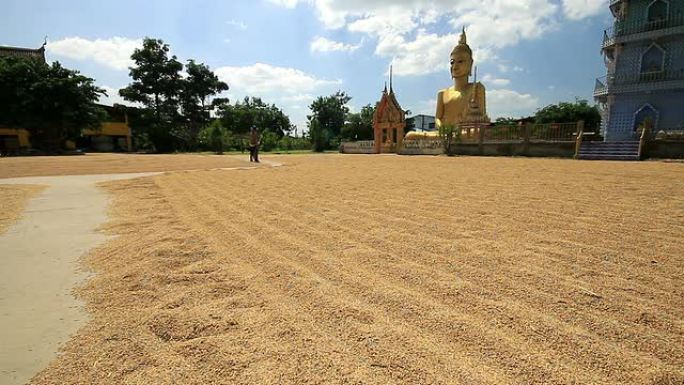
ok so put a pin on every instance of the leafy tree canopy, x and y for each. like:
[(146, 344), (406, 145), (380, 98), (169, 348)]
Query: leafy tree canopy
[(327, 118), (52, 102), (200, 84), (252, 111), (566, 112), (320, 137), (330, 112), (506, 121), (359, 126), (157, 85), (156, 77)]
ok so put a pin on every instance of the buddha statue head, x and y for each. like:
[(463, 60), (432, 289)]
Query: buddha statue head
[(461, 59), (462, 104)]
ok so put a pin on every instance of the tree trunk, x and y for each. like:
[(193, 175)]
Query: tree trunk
[(156, 107)]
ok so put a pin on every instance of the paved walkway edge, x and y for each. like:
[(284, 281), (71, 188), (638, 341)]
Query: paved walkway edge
[(39, 268)]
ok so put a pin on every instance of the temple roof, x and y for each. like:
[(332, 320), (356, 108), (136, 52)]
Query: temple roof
[(388, 108), (38, 54), (394, 101)]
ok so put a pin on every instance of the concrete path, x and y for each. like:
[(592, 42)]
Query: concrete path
[(39, 268)]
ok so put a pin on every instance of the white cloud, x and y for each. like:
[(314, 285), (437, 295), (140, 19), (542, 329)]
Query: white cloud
[(404, 34), (288, 88), (263, 78), (500, 103), (394, 20), (423, 55), (509, 103), (491, 80), (503, 68), (114, 98), (285, 3), (114, 52), (299, 98), (425, 107), (321, 44), (240, 25), (580, 9), (503, 23)]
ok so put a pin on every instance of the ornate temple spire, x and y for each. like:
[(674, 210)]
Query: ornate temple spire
[(462, 45), (391, 90)]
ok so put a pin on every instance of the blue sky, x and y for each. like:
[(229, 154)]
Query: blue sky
[(529, 53)]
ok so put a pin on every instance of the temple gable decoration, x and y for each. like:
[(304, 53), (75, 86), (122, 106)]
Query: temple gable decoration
[(389, 122), (36, 54)]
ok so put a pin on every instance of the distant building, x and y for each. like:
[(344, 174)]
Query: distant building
[(644, 54), (421, 123), (389, 122), (38, 54), (113, 135), (13, 139)]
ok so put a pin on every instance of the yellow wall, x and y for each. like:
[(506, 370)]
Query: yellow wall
[(110, 129), (22, 134), (107, 128)]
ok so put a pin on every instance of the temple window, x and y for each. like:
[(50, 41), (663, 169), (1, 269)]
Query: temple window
[(658, 10), (645, 112), (653, 60), (622, 11)]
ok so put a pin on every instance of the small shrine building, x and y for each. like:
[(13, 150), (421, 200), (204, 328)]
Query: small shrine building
[(389, 122)]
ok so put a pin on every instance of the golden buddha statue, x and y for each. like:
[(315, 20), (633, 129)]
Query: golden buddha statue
[(464, 102)]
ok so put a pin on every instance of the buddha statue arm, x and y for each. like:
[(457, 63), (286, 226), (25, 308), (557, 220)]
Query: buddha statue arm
[(439, 114), (480, 98)]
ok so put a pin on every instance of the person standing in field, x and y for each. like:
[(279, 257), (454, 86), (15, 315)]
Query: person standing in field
[(254, 142)]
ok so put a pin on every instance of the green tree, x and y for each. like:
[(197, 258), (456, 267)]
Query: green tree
[(215, 137), (450, 135), (320, 137), (327, 114), (200, 84), (52, 102), (565, 112), (289, 143), (359, 126), (156, 85), (252, 111), (505, 121), (269, 141)]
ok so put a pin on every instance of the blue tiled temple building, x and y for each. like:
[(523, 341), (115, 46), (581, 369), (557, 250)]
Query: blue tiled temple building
[(644, 53)]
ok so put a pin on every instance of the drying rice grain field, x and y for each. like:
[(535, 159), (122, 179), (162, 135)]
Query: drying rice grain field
[(389, 270), (91, 164), (13, 200)]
